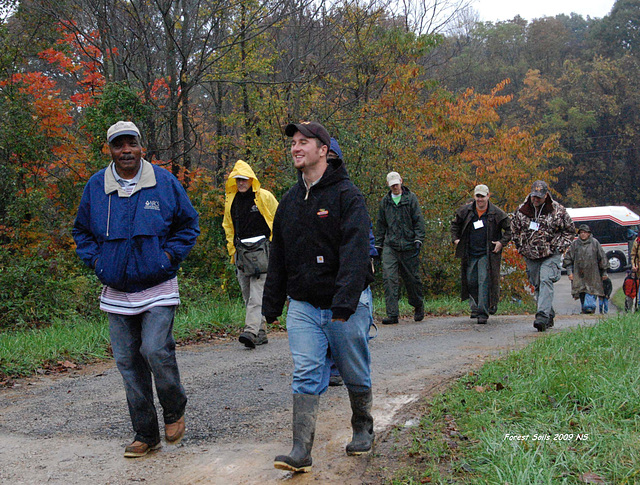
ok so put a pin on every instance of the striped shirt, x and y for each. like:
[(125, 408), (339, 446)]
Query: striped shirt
[(123, 303)]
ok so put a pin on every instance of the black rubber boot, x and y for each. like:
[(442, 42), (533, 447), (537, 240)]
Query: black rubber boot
[(305, 412), (361, 422)]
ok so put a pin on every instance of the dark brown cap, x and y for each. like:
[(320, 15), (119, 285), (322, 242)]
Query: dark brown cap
[(310, 129)]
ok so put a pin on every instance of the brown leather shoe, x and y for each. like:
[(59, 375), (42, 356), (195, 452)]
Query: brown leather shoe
[(138, 449), (174, 432)]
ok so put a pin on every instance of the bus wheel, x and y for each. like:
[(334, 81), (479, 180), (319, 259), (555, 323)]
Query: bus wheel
[(616, 262)]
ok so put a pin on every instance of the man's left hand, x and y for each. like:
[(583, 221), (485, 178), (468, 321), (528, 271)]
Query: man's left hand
[(418, 245), (498, 246)]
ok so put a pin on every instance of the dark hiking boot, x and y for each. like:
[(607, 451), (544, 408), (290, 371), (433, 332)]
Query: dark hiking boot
[(361, 422), (540, 325), (418, 315), (550, 322), (336, 381), (262, 339), (305, 412), (390, 320), (248, 339)]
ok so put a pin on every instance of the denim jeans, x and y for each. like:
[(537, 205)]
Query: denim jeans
[(143, 346), (479, 285), (543, 273), (311, 333)]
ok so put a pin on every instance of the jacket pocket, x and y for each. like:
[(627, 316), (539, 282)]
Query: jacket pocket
[(149, 265), (111, 265)]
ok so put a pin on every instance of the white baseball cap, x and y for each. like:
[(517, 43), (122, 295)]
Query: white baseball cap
[(122, 128), (393, 178), (481, 190)]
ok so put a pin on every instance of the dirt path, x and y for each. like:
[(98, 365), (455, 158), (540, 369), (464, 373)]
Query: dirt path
[(72, 429)]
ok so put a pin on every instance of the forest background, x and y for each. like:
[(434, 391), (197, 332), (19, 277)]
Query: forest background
[(420, 87)]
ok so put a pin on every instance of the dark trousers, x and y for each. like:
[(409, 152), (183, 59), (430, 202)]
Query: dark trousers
[(404, 264), (479, 284)]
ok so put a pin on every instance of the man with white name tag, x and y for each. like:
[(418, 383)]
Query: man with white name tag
[(479, 231), (248, 219), (542, 231)]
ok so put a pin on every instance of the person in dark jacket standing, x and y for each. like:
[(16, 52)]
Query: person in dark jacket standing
[(320, 261), (135, 225), (479, 231), (399, 236)]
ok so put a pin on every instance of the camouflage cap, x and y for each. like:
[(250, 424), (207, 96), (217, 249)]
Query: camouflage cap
[(539, 189)]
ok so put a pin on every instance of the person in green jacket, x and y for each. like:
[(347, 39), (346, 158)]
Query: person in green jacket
[(399, 236)]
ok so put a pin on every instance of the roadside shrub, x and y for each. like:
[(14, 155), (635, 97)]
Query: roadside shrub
[(35, 290)]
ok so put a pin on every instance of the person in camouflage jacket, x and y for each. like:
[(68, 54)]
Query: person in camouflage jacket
[(542, 230)]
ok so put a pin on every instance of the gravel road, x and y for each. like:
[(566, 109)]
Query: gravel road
[(72, 429)]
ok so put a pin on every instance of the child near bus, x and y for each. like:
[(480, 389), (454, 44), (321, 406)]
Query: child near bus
[(603, 301), (630, 288)]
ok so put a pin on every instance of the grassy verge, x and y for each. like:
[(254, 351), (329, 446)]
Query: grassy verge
[(566, 409), (77, 341)]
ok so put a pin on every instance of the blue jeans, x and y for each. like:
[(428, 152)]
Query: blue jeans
[(143, 345), (311, 333)]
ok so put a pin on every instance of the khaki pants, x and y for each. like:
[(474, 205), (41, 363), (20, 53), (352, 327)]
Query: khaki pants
[(252, 289)]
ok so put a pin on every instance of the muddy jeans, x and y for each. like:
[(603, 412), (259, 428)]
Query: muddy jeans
[(542, 274), (143, 345)]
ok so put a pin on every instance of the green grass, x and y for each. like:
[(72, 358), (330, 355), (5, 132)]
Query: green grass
[(80, 341), (579, 390)]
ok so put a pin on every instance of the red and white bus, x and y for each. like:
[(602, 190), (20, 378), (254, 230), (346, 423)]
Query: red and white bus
[(614, 226)]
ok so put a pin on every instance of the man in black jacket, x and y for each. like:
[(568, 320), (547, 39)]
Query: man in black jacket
[(320, 260), (479, 231)]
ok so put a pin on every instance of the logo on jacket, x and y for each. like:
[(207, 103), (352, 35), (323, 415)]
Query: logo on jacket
[(152, 205), (323, 213)]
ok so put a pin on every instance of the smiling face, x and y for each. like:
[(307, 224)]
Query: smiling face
[(126, 152), (482, 201), (307, 155)]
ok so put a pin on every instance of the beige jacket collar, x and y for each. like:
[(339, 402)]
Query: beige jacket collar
[(147, 179)]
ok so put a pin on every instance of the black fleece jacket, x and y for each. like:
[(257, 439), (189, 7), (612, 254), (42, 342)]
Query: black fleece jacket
[(320, 246)]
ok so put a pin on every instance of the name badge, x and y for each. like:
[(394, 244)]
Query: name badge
[(478, 225), (534, 226)]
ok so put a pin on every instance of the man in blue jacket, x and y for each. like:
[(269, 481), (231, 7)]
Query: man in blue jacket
[(135, 225), (320, 261)]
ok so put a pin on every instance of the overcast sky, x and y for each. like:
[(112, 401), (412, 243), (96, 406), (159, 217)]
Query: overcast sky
[(494, 10)]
